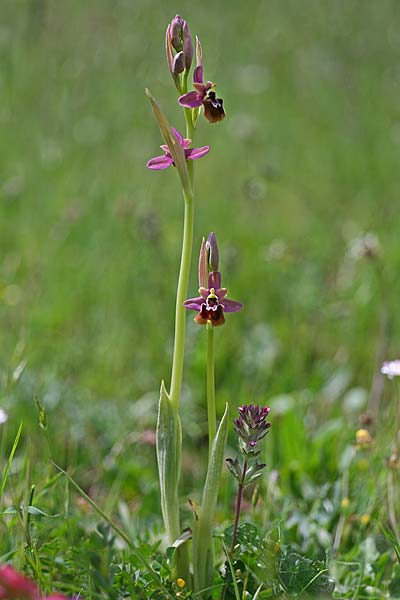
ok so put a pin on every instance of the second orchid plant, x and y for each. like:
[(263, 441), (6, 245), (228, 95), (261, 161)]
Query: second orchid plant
[(211, 305)]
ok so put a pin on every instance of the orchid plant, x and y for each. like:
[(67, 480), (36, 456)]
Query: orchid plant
[(211, 305)]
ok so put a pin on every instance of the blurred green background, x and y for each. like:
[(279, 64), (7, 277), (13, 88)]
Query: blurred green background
[(305, 163)]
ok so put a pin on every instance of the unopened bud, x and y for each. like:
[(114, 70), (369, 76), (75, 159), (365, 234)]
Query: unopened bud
[(187, 45), (212, 252), (181, 39), (176, 33), (178, 65)]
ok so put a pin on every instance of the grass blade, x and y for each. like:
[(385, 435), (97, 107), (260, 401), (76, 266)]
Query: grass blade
[(9, 462), (137, 553)]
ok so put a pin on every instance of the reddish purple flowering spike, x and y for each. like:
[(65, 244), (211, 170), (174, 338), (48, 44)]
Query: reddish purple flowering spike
[(211, 304), (163, 162), (251, 426)]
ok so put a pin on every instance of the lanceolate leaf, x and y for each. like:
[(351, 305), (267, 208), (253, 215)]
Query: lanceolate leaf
[(169, 462), (202, 532)]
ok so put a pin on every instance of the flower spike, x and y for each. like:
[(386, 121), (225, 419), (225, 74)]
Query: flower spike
[(251, 426)]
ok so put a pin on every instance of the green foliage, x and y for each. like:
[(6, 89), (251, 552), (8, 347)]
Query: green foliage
[(300, 575), (305, 162), (169, 443), (203, 553)]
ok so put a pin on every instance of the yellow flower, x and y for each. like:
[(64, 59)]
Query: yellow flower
[(365, 519), (181, 582), (346, 502), (363, 438)]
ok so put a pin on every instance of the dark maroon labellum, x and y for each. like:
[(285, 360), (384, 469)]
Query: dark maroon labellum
[(213, 107), (211, 310)]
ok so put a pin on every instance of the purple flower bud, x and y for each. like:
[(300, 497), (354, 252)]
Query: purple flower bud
[(170, 58), (178, 65), (187, 45), (176, 33), (179, 48), (181, 39), (212, 251)]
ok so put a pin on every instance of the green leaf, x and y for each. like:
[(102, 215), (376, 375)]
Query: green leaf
[(10, 459), (169, 442), (300, 574), (11, 510), (174, 146), (34, 510), (247, 536), (202, 536)]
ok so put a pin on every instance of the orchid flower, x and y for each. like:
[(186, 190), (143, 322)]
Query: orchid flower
[(204, 94), (212, 302), (163, 162)]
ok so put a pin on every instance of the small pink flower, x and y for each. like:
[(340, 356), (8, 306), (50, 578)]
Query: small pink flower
[(163, 162)]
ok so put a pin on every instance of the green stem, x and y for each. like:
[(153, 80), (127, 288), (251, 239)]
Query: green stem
[(181, 294), (212, 420), (183, 281), (182, 559)]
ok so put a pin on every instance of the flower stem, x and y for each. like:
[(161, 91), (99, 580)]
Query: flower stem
[(238, 506), (391, 504), (183, 281), (211, 413), (180, 313), (173, 520)]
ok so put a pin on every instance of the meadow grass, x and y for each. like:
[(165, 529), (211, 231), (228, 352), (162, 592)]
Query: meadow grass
[(305, 163)]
